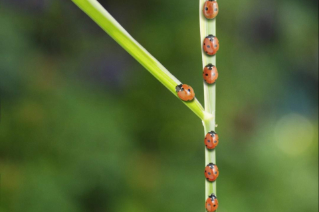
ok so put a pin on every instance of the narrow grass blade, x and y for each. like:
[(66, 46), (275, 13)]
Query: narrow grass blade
[(93, 9)]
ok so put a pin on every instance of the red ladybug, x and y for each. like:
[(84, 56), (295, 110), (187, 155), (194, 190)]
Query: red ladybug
[(211, 45), (211, 203), (210, 74), (210, 9), (185, 92), (211, 140), (211, 172)]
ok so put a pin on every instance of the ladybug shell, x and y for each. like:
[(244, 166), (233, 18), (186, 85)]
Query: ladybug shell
[(211, 172), (211, 203), (185, 92), (211, 45), (210, 9), (210, 74), (211, 140)]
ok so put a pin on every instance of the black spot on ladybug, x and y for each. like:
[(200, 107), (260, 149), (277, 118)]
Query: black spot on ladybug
[(206, 75), (208, 173), (189, 90), (208, 46), (215, 9), (215, 172), (215, 142), (206, 8), (216, 46), (208, 141)]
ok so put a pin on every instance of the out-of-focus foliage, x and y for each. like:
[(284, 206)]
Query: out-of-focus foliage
[(84, 128)]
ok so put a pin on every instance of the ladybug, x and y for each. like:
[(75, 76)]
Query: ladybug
[(210, 74), (185, 92), (211, 45), (210, 9), (211, 203), (211, 172), (211, 140)]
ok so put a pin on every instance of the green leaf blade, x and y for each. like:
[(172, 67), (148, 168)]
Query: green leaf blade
[(94, 10)]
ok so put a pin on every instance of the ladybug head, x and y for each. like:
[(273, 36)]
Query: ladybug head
[(213, 197), (179, 88), (211, 165), (210, 37), (212, 133), (210, 66)]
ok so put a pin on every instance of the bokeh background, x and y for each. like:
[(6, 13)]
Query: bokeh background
[(84, 127)]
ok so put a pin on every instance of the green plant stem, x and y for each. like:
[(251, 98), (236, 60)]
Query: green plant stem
[(208, 27), (93, 9)]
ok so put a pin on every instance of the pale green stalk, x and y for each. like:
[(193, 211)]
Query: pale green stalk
[(208, 27), (93, 9)]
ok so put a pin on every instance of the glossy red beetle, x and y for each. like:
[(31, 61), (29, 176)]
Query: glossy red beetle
[(210, 74), (211, 203), (210, 9), (211, 140), (211, 172), (185, 92), (211, 45)]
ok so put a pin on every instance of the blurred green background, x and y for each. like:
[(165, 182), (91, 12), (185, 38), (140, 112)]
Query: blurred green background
[(85, 128)]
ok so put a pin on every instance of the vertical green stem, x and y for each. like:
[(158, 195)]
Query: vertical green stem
[(210, 157), (208, 27)]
